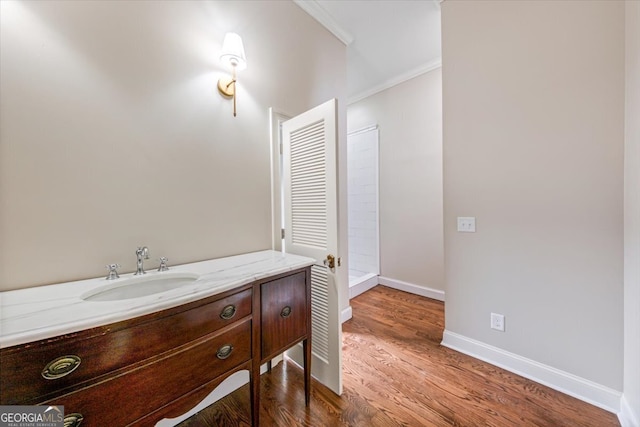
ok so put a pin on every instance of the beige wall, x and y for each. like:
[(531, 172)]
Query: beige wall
[(113, 135), (533, 97), (409, 116), (632, 215)]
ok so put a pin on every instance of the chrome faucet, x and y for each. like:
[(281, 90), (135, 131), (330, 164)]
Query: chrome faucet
[(113, 271), (140, 253)]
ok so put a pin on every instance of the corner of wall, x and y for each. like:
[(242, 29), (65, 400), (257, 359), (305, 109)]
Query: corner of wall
[(626, 416)]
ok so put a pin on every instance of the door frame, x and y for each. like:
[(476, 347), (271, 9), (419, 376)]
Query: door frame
[(276, 117)]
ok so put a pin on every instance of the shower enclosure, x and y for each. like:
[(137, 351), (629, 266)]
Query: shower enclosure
[(362, 189)]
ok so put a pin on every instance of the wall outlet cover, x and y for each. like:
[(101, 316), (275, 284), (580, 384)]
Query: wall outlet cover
[(467, 224), (497, 322)]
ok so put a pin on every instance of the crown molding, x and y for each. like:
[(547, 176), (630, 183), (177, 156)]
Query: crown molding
[(422, 69), (313, 8)]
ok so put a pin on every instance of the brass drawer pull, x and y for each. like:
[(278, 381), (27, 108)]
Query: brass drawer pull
[(61, 367), (73, 420), (224, 351), (228, 312), (286, 311)]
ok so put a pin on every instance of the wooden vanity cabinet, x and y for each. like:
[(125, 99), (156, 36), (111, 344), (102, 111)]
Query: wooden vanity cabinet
[(285, 320), (128, 370), (126, 398), (108, 349), (283, 314), (161, 365)]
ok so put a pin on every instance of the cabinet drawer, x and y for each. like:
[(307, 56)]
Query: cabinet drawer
[(102, 350), (284, 308), (126, 398)]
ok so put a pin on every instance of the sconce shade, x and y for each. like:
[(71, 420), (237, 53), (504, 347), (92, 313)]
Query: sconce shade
[(232, 54)]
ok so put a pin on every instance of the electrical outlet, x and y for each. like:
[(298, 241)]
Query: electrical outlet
[(467, 224), (497, 322)]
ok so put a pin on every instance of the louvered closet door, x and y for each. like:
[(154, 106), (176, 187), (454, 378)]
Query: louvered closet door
[(311, 229)]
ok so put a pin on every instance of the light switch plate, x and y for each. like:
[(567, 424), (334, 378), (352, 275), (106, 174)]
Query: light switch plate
[(467, 224)]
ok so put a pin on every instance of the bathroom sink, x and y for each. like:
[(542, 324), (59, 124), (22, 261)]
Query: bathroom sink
[(140, 286)]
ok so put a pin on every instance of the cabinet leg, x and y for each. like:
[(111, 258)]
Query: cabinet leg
[(254, 390), (306, 348), (269, 366)]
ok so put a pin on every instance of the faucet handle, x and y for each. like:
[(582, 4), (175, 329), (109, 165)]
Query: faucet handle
[(113, 271), (143, 251), (163, 264)]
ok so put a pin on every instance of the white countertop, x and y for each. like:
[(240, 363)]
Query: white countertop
[(42, 312)]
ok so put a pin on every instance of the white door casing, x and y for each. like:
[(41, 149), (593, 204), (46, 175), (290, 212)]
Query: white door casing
[(311, 229), (276, 119)]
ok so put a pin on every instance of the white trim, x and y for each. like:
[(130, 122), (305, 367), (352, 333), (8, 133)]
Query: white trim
[(276, 118), (363, 286), (319, 14), (626, 416), (411, 288), (346, 314), (573, 385), (422, 69), (363, 130)]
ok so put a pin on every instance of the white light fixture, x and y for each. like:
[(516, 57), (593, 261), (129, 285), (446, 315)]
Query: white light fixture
[(232, 56)]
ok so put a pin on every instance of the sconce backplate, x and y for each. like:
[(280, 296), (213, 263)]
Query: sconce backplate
[(226, 86)]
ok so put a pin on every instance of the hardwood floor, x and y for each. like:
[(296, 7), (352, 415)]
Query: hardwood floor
[(396, 373)]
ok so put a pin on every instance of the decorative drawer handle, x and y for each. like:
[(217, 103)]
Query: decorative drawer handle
[(61, 367), (224, 351), (286, 311), (228, 312), (73, 420)]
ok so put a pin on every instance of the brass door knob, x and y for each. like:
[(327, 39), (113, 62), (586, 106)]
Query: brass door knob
[(330, 261)]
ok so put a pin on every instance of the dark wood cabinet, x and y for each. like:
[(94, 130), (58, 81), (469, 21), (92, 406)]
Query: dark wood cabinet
[(139, 371), (105, 350), (284, 304), (284, 314)]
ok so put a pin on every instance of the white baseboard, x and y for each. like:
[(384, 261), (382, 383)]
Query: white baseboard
[(626, 416), (411, 288), (580, 388), (346, 314), (363, 286)]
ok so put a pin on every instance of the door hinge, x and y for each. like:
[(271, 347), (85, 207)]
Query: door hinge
[(282, 233)]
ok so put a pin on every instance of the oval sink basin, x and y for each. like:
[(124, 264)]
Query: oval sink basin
[(140, 286)]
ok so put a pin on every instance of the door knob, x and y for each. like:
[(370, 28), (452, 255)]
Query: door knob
[(330, 261)]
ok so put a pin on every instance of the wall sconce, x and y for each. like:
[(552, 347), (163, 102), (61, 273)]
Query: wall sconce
[(232, 55)]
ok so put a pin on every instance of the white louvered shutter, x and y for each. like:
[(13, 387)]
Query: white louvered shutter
[(310, 205)]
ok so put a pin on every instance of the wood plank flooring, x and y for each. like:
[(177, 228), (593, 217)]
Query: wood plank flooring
[(396, 373)]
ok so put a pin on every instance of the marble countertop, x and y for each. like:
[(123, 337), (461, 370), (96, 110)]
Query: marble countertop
[(43, 312)]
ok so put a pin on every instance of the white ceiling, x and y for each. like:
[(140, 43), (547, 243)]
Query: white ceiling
[(388, 41)]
